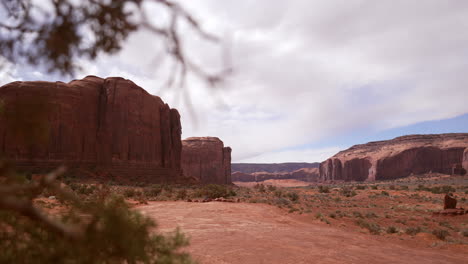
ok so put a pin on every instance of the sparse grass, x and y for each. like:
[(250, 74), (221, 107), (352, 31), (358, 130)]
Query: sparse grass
[(392, 230), (412, 231), (440, 233), (324, 189), (372, 227)]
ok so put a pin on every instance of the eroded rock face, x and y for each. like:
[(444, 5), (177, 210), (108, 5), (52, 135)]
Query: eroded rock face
[(397, 158), (110, 124), (465, 160), (206, 159)]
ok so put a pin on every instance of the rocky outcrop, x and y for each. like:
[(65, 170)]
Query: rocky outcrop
[(304, 174), (206, 159), (465, 160), (272, 167), (397, 158), (109, 124)]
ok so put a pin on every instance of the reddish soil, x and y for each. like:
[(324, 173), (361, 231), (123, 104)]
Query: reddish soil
[(260, 233)]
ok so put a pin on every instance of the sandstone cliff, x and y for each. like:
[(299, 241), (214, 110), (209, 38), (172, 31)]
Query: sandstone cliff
[(465, 160), (206, 159), (303, 174), (108, 124), (396, 158)]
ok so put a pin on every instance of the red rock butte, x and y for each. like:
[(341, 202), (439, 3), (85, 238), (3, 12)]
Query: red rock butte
[(206, 160), (399, 157), (108, 124)]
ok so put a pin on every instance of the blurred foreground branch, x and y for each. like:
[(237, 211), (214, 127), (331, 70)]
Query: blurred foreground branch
[(103, 230), (55, 33)]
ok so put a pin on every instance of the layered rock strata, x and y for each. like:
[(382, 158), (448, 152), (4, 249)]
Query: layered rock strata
[(397, 158), (206, 159), (107, 124)]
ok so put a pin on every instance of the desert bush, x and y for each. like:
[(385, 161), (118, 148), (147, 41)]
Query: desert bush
[(271, 188), (361, 187), (392, 187), (278, 193), (100, 231), (374, 187), (384, 193), (153, 191), (260, 187), (324, 189), (371, 215), (404, 188), (440, 233), (372, 227), (465, 233), (437, 189), (348, 192), (281, 202), (413, 230), (293, 196), (213, 191), (357, 214), (181, 194), (392, 230), (130, 193)]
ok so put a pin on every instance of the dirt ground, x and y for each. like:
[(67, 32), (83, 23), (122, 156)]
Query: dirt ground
[(261, 233)]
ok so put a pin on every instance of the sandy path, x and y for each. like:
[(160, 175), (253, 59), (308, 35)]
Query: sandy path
[(258, 233)]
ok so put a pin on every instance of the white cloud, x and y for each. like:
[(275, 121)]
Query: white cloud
[(306, 70)]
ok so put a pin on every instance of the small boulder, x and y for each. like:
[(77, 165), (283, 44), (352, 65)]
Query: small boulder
[(450, 202)]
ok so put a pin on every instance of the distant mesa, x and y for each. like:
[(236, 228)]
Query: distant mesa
[(256, 172), (206, 160), (109, 128), (398, 158)]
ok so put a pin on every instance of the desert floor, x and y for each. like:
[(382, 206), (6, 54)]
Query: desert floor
[(260, 233)]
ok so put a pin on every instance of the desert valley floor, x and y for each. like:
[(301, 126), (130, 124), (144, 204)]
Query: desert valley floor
[(259, 233)]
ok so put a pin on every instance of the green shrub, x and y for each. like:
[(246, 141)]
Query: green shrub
[(361, 187), (357, 214), (99, 231), (271, 188), (392, 230), (413, 230), (374, 187), (440, 233), (181, 194), (348, 192), (153, 190), (465, 233), (214, 191), (278, 193), (129, 192), (293, 196), (323, 189), (260, 187), (372, 227), (282, 202), (371, 215), (384, 193)]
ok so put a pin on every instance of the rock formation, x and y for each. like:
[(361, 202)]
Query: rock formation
[(304, 174), (465, 160), (397, 158), (449, 202), (107, 124), (206, 159)]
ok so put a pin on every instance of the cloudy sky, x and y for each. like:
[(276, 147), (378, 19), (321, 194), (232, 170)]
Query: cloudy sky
[(310, 77)]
